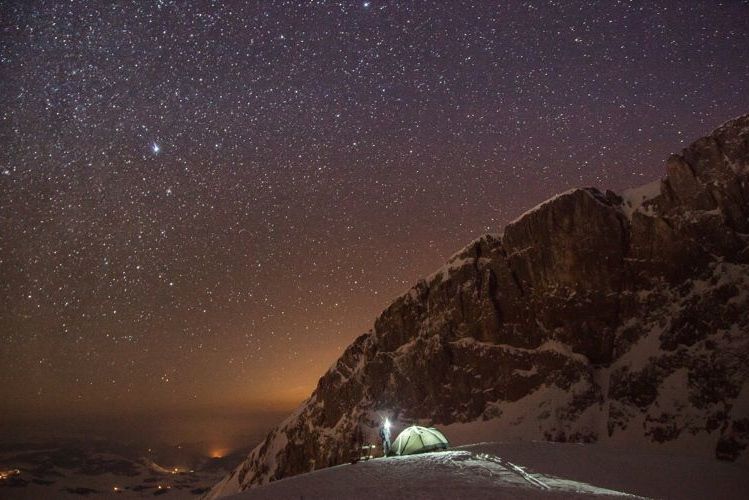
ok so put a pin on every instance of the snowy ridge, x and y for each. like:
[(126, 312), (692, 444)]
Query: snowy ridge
[(450, 474), (515, 470), (589, 191)]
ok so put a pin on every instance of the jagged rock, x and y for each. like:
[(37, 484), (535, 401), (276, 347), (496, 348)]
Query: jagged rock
[(593, 317)]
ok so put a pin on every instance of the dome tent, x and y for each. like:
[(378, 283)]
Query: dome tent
[(416, 439)]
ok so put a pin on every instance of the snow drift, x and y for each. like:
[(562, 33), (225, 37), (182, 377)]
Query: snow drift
[(517, 470)]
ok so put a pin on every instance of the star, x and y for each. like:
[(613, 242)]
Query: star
[(155, 148)]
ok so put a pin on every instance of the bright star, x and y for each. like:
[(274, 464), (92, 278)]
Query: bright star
[(366, 4), (155, 148)]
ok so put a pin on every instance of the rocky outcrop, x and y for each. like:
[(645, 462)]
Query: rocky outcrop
[(595, 316)]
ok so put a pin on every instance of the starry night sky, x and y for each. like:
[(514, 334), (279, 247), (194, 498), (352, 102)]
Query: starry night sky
[(203, 204)]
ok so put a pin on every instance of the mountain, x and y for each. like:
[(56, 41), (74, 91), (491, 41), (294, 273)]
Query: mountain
[(594, 317)]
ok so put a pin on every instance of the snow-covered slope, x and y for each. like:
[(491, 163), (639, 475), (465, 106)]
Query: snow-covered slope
[(517, 470), (594, 317)]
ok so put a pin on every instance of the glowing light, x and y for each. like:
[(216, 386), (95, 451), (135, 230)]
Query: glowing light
[(155, 148), (5, 474)]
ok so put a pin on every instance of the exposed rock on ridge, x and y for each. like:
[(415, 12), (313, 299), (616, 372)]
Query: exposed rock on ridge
[(595, 316)]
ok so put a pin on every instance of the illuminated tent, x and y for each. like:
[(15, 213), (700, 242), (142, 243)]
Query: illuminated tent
[(417, 439)]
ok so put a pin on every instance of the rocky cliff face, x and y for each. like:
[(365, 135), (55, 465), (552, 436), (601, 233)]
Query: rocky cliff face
[(594, 317)]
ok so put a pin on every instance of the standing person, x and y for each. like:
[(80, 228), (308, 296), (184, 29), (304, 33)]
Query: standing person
[(385, 436)]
